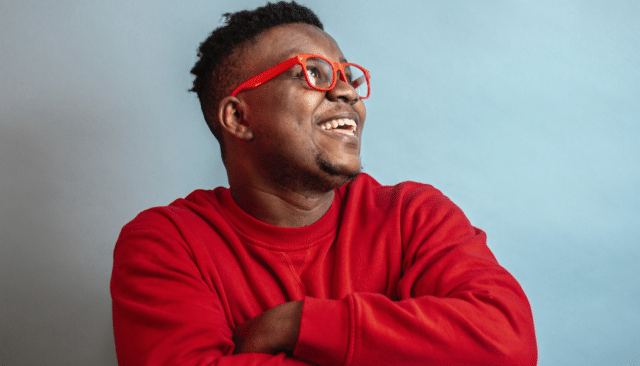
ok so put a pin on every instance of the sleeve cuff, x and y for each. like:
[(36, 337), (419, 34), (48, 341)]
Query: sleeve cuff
[(324, 331)]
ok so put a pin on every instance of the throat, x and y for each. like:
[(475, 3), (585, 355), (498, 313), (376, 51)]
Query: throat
[(283, 209)]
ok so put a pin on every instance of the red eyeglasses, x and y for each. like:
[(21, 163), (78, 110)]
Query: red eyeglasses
[(319, 72)]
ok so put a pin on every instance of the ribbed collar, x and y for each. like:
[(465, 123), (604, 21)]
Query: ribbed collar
[(278, 238)]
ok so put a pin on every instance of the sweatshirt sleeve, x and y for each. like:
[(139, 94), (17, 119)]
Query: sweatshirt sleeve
[(164, 313), (456, 305)]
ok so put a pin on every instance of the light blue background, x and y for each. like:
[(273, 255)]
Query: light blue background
[(525, 113)]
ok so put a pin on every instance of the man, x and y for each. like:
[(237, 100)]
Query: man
[(305, 260)]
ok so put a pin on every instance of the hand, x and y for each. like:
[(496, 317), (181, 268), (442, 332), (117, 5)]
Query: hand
[(274, 331)]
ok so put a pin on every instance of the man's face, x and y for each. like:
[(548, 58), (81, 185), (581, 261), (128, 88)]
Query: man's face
[(288, 118)]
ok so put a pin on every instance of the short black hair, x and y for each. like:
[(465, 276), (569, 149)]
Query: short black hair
[(216, 72)]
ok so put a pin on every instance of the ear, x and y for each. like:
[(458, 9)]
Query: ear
[(231, 114)]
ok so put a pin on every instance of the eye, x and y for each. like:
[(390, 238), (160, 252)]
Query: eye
[(313, 72), (318, 76)]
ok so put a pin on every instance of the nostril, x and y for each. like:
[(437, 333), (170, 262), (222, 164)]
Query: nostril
[(345, 91)]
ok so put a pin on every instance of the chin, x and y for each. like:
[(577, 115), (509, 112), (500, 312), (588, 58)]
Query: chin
[(338, 175)]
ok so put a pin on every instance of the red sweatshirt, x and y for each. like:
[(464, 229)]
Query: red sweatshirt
[(390, 275)]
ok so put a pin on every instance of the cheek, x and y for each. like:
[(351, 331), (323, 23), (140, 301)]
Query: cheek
[(296, 104), (311, 99), (361, 110)]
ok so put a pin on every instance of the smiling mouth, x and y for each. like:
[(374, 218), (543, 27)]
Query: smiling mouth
[(345, 126)]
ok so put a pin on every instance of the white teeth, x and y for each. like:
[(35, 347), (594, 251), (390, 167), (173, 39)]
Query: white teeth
[(340, 122)]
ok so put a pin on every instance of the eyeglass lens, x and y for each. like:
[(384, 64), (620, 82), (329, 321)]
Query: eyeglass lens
[(320, 74)]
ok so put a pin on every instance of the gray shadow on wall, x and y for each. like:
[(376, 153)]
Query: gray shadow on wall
[(55, 309)]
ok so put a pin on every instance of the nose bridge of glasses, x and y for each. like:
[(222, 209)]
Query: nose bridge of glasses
[(339, 70)]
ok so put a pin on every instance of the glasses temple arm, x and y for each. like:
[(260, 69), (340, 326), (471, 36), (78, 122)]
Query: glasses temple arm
[(265, 76)]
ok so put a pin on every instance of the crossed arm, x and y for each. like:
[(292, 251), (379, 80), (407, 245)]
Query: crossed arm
[(479, 317), (455, 304), (274, 331)]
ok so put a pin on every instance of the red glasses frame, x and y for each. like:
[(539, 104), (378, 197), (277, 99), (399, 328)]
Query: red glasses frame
[(300, 59)]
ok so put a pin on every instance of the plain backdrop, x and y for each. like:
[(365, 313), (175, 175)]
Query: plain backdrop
[(525, 113)]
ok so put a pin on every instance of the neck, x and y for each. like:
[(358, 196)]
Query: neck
[(284, 208)]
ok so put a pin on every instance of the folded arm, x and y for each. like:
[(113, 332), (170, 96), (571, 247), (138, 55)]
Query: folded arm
[(455, 304)]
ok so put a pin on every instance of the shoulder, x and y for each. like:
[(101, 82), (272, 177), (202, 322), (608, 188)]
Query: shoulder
[(366, 189), (180, 210), (176, 223), (411, 205)]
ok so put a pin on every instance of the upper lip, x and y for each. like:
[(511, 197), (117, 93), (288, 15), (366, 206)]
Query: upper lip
[(349, 115)]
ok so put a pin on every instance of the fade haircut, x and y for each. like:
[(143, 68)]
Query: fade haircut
[(217, 68)]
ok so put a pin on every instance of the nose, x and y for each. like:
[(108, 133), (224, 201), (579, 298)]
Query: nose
[(343, 90)]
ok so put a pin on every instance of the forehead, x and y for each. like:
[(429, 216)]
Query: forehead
[(285, 41)]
